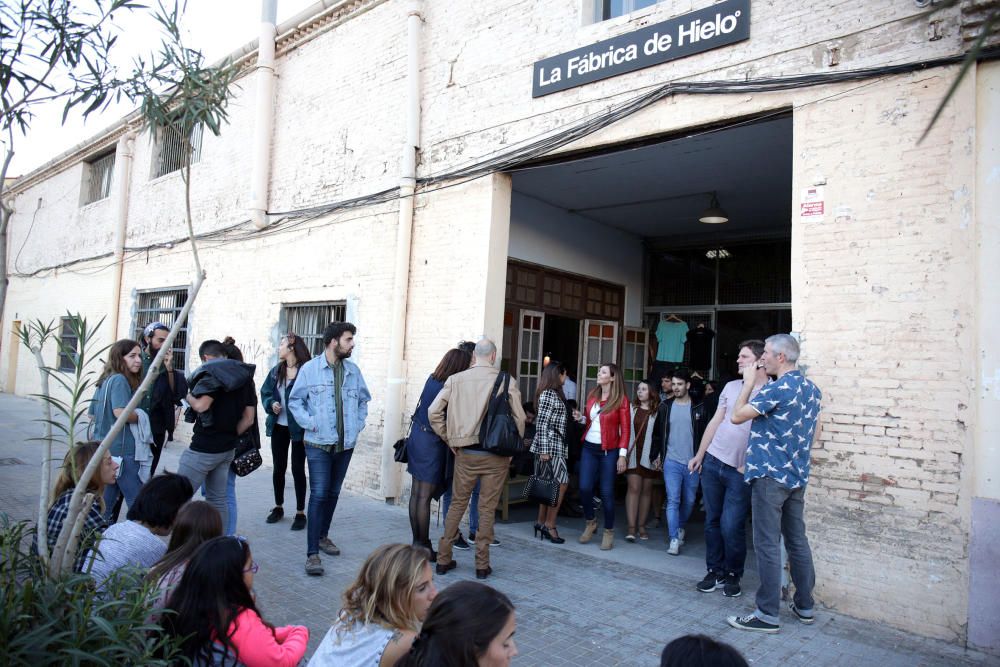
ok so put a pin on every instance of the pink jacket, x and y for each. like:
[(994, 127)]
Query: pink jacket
[(257, 647)]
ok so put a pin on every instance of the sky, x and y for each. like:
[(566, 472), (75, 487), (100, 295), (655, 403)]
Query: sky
[(215, 27)]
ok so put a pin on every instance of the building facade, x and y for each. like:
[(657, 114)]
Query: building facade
[(560, 217)]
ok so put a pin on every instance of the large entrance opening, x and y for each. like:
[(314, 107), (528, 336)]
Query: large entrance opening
[(610, 261)]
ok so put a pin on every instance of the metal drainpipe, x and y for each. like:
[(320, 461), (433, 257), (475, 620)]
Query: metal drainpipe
[(123, 165), (391, 472), (261, 171)]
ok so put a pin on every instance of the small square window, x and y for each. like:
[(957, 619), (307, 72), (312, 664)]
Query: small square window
[(308, 320), (97, 175), (609, 9), (163, 305)]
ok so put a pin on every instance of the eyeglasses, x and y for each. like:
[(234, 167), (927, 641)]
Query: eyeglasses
[(253, 567), (246, 547)]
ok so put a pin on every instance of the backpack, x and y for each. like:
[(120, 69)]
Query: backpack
[(498, 433)]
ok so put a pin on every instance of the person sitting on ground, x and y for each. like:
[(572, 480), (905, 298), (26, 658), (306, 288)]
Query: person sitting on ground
[(700, 651), (95, 523), (197, 522), (134, 544), (382, 611), (468, 624), (215, 612)]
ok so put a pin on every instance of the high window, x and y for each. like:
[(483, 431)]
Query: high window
[(163, 305), (97, 175), (609, 9), (308, 320), (170, 148)]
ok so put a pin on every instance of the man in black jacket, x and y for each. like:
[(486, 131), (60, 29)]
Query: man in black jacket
[(680, 424)]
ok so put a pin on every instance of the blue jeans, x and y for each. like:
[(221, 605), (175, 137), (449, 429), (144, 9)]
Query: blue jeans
[(682, 488), (326, 475), (727, 501), (778, 512), (231, 503), (473, 507), (127, 485), (598, 465)]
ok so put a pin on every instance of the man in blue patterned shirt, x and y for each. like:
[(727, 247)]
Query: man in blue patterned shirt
[(785, 416)]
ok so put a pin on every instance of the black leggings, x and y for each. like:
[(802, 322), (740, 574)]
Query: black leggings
[(420, 512), (280, 439)]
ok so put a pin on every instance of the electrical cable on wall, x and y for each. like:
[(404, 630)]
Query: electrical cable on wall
[(534, 148)]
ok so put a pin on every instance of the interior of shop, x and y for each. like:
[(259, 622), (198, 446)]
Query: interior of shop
[(692, 231)]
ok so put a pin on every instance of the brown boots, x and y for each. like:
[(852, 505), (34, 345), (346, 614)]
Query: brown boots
[(608, 540), (588, 531)]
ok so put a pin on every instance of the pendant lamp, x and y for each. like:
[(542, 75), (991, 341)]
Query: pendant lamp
[(713, 215)]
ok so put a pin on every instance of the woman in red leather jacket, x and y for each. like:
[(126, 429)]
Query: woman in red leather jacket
[(605, 446)]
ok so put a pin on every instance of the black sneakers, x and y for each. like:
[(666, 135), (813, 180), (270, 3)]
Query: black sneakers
[(712, 581), (808, 620), (752, 623), (275, 516), (460, 543), (731, 586)]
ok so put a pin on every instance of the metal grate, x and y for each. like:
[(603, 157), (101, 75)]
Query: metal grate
[(68, 341), (163, 306), (98, 178), (309, 319), (171, 147)]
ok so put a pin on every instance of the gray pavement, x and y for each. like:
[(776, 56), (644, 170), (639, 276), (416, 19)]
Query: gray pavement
[(576, 605)]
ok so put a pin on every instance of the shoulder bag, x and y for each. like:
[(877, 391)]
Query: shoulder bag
[(498, 433), (247, 457), (541, 490)]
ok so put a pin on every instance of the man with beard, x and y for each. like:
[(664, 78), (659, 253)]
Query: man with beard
[(166, 391), (330, 401)]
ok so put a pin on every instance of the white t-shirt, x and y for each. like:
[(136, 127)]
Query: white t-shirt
[(128, 544), (594, 432), (357, 646)]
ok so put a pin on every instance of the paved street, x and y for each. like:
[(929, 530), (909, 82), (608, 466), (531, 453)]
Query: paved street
[(575, 604)]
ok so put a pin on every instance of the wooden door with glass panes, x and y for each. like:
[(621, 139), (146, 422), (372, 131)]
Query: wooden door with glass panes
[(634, 359), (529, 351), (598, 345)]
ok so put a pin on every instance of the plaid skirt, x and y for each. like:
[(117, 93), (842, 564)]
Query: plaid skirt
[(554, 469)]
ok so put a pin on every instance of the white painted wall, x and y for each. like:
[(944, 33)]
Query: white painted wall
[(544, 234)]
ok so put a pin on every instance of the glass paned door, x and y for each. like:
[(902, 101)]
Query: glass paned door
[(634, 358), (599, 342), (529, 352)]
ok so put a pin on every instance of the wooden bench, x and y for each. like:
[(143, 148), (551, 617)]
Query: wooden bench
[(513, 493)]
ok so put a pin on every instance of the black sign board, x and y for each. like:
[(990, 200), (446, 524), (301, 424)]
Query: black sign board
[(721, 24)]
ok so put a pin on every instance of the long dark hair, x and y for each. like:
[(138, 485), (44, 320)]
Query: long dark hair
[(116, 363), (453, 361), (550, 380), (300, 351), (196, 523), (460, 624), (210, 595)]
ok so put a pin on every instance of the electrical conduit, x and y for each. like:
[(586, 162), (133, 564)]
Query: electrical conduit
[(261, 170), (123, 170)]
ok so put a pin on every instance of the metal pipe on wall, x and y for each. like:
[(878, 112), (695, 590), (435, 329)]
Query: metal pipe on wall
[(392, 428), (123, 164), (264, 116)]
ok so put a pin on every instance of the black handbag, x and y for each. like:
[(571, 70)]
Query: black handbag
[(542, 490), (498, 433), (399, 455), (247, 457)]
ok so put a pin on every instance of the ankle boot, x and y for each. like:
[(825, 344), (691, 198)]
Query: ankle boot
[(608, 540), (588, 531)]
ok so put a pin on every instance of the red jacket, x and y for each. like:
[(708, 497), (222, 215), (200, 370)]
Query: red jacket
[(616, 426)]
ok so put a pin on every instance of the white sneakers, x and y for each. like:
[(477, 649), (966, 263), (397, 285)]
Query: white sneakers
[(675, 547)]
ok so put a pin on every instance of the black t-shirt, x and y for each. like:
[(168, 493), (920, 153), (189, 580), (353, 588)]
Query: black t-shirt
[(227, 409), (700, 348)]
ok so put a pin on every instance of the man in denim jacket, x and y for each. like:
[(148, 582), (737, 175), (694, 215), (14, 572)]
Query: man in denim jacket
[(330, 402)]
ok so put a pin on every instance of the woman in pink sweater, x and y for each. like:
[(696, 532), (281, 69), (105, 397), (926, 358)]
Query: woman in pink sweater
[(215, 593)]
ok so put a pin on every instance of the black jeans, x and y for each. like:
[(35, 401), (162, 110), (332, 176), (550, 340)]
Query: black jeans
[(280, 441)]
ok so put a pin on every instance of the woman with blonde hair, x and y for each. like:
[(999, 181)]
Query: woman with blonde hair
[(639, 469), (94, 524), (383, 610), (607, 426)]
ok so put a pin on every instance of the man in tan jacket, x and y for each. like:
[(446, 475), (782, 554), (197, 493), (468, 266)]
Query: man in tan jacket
[(456, 415)]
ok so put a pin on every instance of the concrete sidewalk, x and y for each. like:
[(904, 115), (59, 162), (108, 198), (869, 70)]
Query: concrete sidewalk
[(576, 605)]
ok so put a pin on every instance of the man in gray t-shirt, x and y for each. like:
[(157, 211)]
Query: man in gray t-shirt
[(679, 422)]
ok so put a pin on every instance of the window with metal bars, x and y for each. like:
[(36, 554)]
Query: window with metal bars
[(170, 149), (163, 305), (69, 344), (97, 176), (308, 320)]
